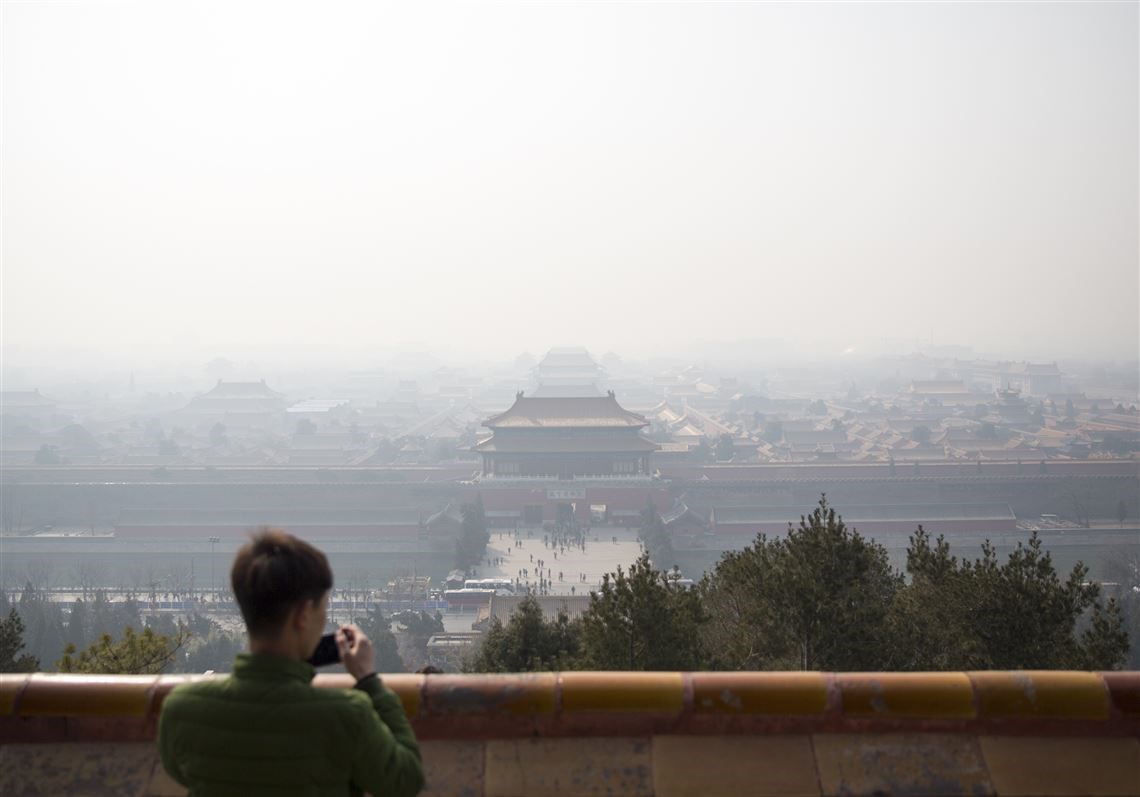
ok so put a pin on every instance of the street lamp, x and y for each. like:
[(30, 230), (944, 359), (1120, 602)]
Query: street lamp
[(213, 541)]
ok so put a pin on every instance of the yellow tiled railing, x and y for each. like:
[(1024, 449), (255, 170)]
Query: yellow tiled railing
[(701, 733)]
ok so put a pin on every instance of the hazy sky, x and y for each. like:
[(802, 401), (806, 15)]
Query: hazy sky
[(515, 176)]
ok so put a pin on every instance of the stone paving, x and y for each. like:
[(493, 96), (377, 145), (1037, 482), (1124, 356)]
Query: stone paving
[(568, 569), (606, 548)]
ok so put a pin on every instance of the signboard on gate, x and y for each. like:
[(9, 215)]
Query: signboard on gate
[(565, 493)]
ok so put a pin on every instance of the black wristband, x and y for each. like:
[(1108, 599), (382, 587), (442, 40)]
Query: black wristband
[(368, 677)]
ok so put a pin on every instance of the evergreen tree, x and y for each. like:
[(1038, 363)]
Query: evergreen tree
[(1027, 615), (103, 620), (724, 448), (818, 599), (1104, 644), (208, 645), (656, 537), (378, 628), (79, 624), (417, 628), (147, 653), (642, 621), (985, 615), (471, 546), (11, 643), (527, 643), (742, 632), (43, 623), (929, 625), (1125, 571), (773, 431)]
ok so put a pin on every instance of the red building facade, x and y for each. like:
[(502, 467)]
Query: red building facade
[(590, 437), (557, 459)]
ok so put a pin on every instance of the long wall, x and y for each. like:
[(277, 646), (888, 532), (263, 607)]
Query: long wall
[(646, 734), (98, 497)]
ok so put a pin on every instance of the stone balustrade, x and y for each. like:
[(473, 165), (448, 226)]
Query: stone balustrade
[(666, 734)]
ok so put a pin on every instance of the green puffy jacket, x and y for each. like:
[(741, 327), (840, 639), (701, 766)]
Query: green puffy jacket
[(267, 730)]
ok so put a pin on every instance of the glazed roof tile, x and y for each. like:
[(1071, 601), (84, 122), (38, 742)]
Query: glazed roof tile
[(601, 412)]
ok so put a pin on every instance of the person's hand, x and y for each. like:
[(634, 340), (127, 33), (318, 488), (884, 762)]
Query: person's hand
[(355, 651)]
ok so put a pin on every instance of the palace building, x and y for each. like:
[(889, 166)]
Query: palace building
[(553, 459), (589, 437)]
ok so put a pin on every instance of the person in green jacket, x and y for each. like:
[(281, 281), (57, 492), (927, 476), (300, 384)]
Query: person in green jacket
[(265, 729)]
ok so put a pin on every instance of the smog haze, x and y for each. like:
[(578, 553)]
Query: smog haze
[(191, 181)]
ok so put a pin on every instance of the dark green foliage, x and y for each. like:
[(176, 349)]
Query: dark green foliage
[(420, 625), (818, 599), (214, 650), (471, 546), (724, 448), (656, 537), (1104, 643), (417, 628), (11, 643), (1116, 445), (773, 431), (703, 450), (741, 628), (824, 598), (642, 621), (78, 624), (107, 617), (528, 643), (920, 434), (928, 629), (1023, 613), (207, 646), (1124, 571), (43, 623), (378, 628), (147, 653), (962, 615)]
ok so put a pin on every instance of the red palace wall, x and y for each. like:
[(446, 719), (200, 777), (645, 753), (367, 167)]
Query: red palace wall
[(873, 528), (630, 499), (190, 531), (878, 470)]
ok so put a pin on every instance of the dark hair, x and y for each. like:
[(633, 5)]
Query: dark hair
[(274, 572)]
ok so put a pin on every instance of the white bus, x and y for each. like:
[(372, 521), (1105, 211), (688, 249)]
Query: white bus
[(500, 586)]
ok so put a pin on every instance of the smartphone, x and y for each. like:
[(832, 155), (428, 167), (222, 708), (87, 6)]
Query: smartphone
[(326, 653)]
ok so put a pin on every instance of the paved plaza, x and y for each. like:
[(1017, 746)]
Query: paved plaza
[(566, 569), (573, 572)]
